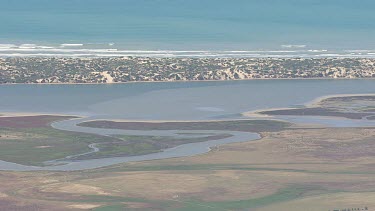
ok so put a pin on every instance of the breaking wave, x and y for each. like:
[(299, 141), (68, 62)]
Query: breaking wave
[(90, 50)]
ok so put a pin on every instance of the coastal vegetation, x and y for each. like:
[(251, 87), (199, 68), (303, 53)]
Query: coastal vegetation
[(128, 69), (229, 125), (290, 168), (351, 107), (141, 145), (285, 169), (34, 146), (30, 140)]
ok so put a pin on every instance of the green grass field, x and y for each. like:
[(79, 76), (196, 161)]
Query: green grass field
[(235, 125), (30, 140), (139, 145), (33, 146), (285, 194)]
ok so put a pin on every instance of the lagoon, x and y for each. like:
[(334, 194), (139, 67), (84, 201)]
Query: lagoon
[(173, 100), (170, 101)]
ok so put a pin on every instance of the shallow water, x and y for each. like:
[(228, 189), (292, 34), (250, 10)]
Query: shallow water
[(171, 101)]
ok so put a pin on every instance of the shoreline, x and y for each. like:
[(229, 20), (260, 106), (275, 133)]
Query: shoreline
[(183, 81), (314, 102), (93, 53), (248, 115), (22, 114), (310, 104)]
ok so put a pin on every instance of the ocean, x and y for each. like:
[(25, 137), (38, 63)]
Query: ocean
[(164, 28)]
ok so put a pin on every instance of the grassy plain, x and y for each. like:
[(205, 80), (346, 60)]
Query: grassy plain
[(30, 140), (33, 146), (232, 125), (293, 169), (140, 145), (290, 168)]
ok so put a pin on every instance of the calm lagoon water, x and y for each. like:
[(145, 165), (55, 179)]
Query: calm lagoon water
[(173, 100)]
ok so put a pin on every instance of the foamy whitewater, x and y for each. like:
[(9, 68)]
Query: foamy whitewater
[(86, 50)]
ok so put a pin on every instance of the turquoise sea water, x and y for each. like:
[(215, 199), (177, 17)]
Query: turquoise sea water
[(187, 24)]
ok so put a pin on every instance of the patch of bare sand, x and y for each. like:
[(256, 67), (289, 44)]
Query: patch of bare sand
[(107, 76), (75, 188), (228, 174), (46, 181), (153, 184), (3, 195), (42, 147), (10, 136), (84, 206), (207, 185), (137, 205)]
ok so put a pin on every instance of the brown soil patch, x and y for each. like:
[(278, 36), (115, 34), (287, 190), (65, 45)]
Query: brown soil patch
[(30, 121)]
